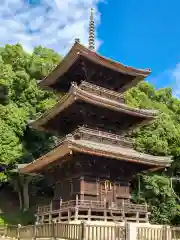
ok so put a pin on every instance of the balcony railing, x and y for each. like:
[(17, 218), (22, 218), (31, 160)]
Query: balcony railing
[(103, 92), (56, 206), (95, 135)]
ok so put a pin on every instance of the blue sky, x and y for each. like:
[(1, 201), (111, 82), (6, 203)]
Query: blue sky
[(144, 34), (139, 33)]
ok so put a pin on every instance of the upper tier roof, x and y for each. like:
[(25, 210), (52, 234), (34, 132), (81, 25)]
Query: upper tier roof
[(103, 144), (76, 106), (81, 64)]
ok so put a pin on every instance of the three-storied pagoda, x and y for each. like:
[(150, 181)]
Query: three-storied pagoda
[(92, 165)]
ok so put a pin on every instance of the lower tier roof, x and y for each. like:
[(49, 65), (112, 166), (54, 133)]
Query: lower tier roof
[(70, 144)]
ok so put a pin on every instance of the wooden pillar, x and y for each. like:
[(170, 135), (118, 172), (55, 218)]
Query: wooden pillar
[(51, 206), (60, 208), (77, 200), (50, 217), (147, 213), (60, 203), (69, 215), (82, 187), (59, 217), (105, 214), (42, 218), (50, 212), (37, 218), (76, 213), (147, 217), (76, 208), (97, 189), (137, 217), (89, 214), (123, 210), (146, 206), (71, 187)]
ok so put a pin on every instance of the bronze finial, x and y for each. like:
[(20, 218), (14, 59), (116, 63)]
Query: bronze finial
[(77, 40), (91, 31)]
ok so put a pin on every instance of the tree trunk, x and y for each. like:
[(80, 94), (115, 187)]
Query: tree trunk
[(26, 193), (20, 199), (21, 186), (17, 187)]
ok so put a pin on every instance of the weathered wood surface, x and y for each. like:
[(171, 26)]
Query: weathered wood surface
[(96, 231), (68, 231)]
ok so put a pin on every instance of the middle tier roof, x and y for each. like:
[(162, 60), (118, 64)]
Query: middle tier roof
[(94, 106)]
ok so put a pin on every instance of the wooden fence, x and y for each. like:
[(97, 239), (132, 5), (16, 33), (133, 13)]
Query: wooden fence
[(83, 231), (66, 231), (2, 230), (158, 233)]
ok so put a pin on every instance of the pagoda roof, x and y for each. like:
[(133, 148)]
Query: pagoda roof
[(81, 144), (80, 52), (101, 97)]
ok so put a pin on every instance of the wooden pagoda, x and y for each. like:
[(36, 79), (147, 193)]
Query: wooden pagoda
[(92, 165)]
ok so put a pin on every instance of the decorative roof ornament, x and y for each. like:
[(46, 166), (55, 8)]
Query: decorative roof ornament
[(91, 31), (77, 40)]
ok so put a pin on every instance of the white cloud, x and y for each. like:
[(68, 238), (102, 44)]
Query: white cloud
[(168, 78), (50, 23)]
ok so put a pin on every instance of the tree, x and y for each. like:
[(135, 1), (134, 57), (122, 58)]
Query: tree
[(21, 100), (162, 137)]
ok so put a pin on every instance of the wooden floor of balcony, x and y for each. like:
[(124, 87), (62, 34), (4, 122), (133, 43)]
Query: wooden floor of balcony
[(91, 210)]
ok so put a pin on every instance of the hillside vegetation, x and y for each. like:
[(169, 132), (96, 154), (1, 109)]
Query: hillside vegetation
[(21, 100)]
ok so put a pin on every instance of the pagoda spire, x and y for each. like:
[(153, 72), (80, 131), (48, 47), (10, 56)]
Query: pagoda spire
[(91, 31), (77, 40)]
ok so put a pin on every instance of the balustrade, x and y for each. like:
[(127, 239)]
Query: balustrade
[(103, 92), (91, 204)]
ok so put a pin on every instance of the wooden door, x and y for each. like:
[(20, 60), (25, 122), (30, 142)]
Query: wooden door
[(107, 193), (110, 197)]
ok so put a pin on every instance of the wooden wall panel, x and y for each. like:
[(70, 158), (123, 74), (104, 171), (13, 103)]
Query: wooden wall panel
[(89, 187), (63, 190), (90, 197), (76, 185)]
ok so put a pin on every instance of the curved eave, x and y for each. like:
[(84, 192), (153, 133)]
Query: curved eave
[(102, 150), (119, 152), (52, 156), (79, 50), (76, 93)]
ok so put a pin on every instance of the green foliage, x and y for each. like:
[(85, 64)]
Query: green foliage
[(18, 217), (1, 221), (157, 193), (162, 137), (21, 100)]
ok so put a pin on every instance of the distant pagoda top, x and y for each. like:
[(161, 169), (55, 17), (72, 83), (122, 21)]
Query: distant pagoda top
[(84, 64)]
